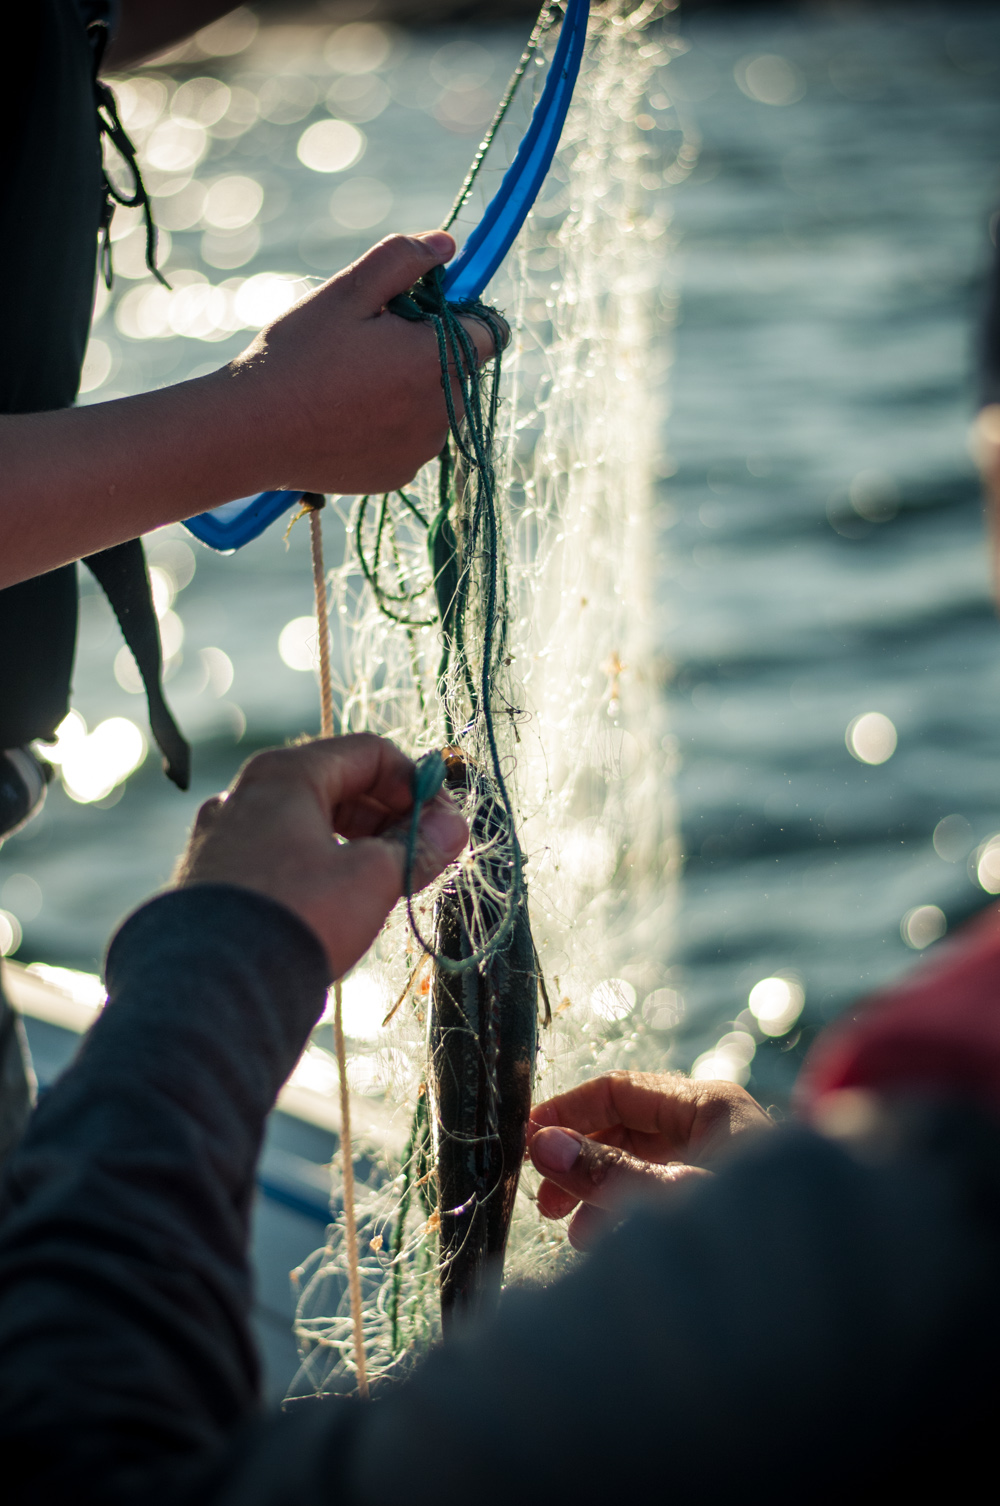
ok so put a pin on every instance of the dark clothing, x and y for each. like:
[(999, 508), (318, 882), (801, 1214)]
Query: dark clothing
[(812, 1317), (52, 204), (50, 207)]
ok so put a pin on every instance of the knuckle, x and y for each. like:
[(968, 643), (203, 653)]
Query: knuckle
[(270, 764), (601, 1163), (398, 245)]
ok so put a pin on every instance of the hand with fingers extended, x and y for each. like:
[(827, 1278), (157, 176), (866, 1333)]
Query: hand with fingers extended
[(630, 1136), (321, 829)]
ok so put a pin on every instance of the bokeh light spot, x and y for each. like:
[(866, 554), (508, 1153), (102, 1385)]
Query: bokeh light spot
[(180, 210), (330, 146), (127, 672), (871, 738), (298, 644), (22, 894), (10, 934), (770, 79), (613, 999), (365, 1003), (204, 100), (358, 47), (97, 364), (874, 496), (264, 298), (218, 671), (952, 838), (94, 764), (162, 589), (141, 102), (177, 144), (922, 925), (776, 1003), (171, 634), (229, 249), (232, 202), (284, 100), (663, 1009), (130, 254), (988, 865)]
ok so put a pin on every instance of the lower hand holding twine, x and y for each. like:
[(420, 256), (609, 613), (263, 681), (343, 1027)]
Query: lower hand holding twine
[(630, 1136), (321, 828)]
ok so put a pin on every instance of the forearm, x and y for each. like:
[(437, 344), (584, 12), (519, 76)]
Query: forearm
[(336, 396), (81, 479)]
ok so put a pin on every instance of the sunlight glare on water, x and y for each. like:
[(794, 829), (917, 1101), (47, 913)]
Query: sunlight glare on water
[(93, 764), (776, 1004), (818, 549), (298, 644), (330, 146)]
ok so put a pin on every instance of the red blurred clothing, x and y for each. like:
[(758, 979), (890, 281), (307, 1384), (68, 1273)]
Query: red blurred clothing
[(937, 1032)]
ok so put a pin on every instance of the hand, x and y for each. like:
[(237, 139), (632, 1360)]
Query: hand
[(273, 832), (336, 396), (630, 1135), (350, 392)]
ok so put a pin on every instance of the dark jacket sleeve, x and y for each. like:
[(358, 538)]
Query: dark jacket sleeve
[(816, 1316), (124, 1283)]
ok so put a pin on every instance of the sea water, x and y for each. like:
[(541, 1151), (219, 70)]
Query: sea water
[(821, 543)]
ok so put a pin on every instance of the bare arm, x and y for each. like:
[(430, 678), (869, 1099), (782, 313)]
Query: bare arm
[(337, 396), (147, 27)]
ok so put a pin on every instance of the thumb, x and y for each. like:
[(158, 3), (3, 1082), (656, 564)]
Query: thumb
[(348, 907), (580, 1170), (395, 264)]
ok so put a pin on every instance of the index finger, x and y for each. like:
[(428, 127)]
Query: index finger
[(652, 1103), (481, 335), (361, 781)]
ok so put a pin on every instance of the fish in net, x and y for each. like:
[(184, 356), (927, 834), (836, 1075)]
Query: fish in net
[(499, 608)]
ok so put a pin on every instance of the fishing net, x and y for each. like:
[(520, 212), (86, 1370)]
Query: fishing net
[(549, 682)]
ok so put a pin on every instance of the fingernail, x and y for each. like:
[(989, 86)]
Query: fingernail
[(438, 242), (555, 1149), (445, 828)]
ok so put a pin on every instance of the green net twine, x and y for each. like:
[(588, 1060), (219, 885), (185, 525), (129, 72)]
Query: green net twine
[(471, 425)]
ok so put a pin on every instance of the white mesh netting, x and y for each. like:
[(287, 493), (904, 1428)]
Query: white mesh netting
[(578, 700)]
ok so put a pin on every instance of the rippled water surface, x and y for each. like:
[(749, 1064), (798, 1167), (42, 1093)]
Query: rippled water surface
[(822, 552)]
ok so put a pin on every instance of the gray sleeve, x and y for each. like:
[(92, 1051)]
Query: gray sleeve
[(124, 1285)]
